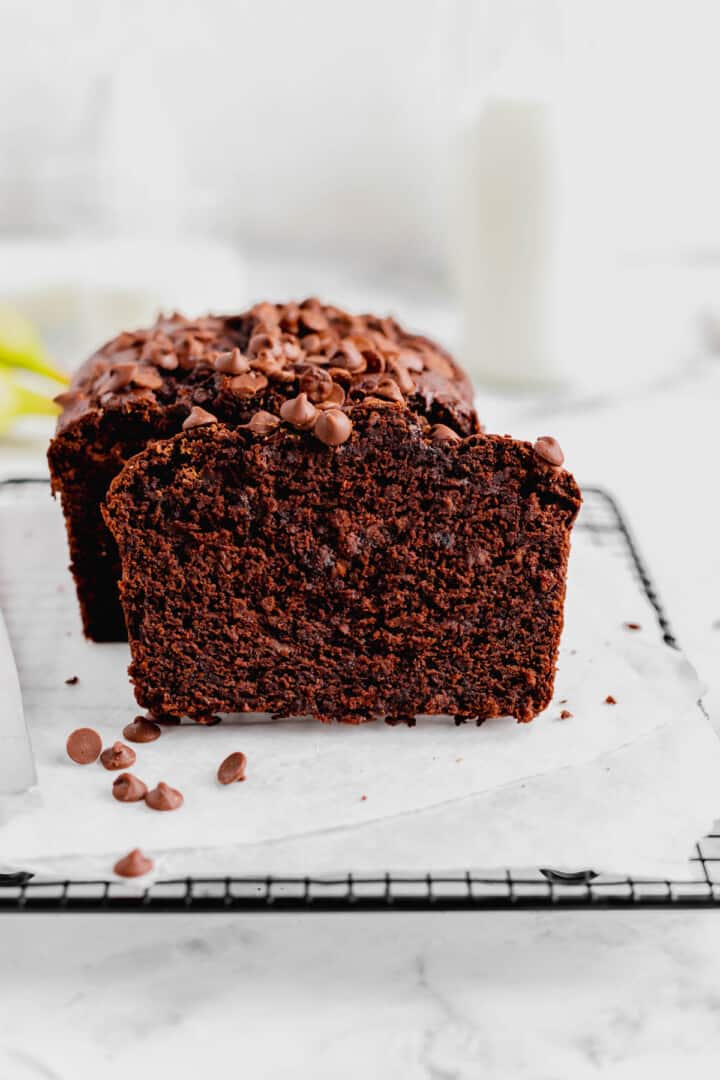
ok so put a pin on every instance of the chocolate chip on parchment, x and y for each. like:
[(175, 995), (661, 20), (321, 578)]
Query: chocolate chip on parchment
[(135, 864), (127, 788), (142, 730), (83, 746), (610, 700), (164, 797), (232, 768), (566, 715), (117, 756)]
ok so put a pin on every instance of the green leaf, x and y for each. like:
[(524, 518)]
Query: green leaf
[(21, 347), (16, 401)]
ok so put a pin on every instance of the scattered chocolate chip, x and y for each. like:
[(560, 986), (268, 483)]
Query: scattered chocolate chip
[(262, 423), (248, 385), (548, 450), (133, 865), (333, 427), (299, 411), (164, 797), (142, 730), (440, 433), (198, 418), (117, 756), (83, 746), (127, 788), (402, 377), (348, 356), (610, 700), (633, 626), (232, 768), (566, 715), (72, 681), (231, 363), (120, 376)]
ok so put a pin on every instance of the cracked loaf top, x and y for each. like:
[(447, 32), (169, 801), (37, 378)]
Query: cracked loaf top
[(305, 364)]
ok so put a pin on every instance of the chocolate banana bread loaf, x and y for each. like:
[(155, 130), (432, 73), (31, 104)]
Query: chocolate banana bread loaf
[(295, 511), (373, 565), (143, 385)]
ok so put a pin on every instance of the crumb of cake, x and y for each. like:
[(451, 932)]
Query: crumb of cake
[(83, 746), (610, 700), (72, 681), (633, 626), (566, 715)]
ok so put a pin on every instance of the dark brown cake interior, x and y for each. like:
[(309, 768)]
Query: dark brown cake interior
[(391, 576)]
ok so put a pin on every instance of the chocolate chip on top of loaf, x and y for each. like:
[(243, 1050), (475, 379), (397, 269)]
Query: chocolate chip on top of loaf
[(271, 353), (301, 367)]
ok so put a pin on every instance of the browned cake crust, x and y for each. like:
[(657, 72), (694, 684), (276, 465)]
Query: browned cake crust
[(143, 385), (404, 571)]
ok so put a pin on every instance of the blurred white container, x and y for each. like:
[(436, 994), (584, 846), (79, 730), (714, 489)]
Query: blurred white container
[(507, 230)]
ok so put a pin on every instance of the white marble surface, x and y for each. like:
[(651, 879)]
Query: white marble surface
[(443, 997)]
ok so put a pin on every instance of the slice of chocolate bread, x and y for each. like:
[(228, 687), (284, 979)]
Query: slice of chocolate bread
[(374, 566), (143, 385)]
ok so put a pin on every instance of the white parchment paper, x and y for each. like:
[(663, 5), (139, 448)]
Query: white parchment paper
[(627, 787)]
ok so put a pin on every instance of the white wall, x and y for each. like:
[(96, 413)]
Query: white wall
[(323, 125)]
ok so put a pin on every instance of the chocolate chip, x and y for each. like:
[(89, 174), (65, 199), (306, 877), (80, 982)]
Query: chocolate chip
[(148, 377), (133, 865), (247, 385), (127, 788), (117, 756), (403, 378), (313, 319), (198, 418), (67, 397), (83, 746), (260, 343), (142, 730), (348, 356), (439, 433), (168, 361), (438, 364), (120, 376), (231, 363), (389, 390), (633, 626), (262, 423), (232, 769), (209, 720), (610, 700), (566, 715), (72, 681), (299, 411), (316, 383), (333, 427), (164, 797), (548, 450)]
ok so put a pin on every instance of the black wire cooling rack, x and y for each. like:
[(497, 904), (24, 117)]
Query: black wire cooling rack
[(537, 889)]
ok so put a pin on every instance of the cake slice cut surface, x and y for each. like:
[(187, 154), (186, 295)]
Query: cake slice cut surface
[(405, 571)]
